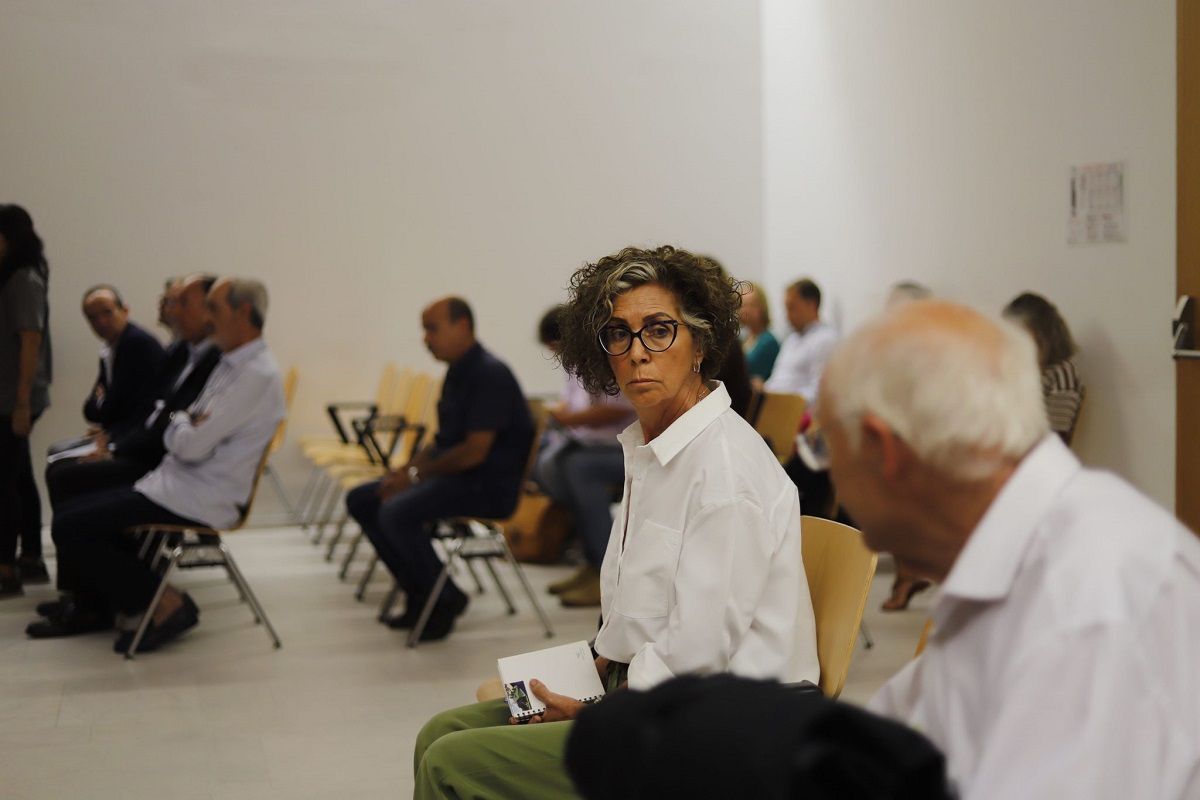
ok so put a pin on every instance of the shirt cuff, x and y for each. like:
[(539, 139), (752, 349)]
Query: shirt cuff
[(647, 670)]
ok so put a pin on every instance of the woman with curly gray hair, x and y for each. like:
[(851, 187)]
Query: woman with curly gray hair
[(703, 572)]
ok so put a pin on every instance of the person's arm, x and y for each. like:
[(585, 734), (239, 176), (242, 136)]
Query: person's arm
[(466, 455), (92, 406), (723, 569), (27, 363), (194, 439), (135, 374), (593, 416)]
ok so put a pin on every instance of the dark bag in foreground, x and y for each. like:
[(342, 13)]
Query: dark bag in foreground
[(724, 736)]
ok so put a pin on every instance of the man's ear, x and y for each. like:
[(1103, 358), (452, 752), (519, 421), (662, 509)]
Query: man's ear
[(879, 438)]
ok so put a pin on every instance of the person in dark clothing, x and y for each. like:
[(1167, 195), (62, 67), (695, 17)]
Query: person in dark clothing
[(130, 360), (25, 374), (473, 468), (121, 460)]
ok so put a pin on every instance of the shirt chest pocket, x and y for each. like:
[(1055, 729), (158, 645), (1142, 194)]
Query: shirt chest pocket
[(648, 571)]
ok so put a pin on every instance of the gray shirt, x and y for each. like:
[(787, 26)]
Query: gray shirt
[(23, 307)]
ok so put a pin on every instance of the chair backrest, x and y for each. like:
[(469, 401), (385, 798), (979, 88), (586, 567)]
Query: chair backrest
[(289, 394), (258, 473), (541, 418), (778, 421), (839, 568), (391, 402), (416, 405), (387, 379)]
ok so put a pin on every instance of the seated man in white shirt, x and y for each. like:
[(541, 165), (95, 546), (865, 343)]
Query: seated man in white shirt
[(212, 454), (1063, 661), (805, 350)]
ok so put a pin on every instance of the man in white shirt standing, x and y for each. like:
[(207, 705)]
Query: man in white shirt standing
[(213, 451), (1063, 662), (806, 349)]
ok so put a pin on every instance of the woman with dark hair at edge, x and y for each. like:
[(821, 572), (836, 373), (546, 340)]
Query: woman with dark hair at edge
[(1061, 388), (24, 395)]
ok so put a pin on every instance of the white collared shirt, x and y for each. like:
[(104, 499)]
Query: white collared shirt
[(1065, 660), (801, 361), (703, 571), (210, 466)]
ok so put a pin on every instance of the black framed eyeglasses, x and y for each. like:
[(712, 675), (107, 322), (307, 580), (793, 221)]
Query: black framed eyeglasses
[(655, 336)]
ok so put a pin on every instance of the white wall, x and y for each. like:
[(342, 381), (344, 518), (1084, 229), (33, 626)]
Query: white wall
[(931, 140), (363, 158)]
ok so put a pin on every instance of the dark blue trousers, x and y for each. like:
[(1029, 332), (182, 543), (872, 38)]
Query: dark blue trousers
[(399, 530)]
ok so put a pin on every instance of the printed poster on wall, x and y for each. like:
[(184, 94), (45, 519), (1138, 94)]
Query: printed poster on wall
[(1097, 203)]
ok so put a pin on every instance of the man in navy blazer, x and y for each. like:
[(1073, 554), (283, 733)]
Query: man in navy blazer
[(120, 459), (130, 360)]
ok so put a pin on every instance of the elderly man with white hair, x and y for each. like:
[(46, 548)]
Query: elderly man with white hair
[(1064, 661)]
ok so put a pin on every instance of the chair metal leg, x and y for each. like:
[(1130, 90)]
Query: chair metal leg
[(283, 495), (487, 562), (312, 502), (144, 625), (474, 575), (327, 514), (366, 578), (414, 636), (350, 554), (320, 499), (244, 587), (865, 633), (508, 556), (337, 534)]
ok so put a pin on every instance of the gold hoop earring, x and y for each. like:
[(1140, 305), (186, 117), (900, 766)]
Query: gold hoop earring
[(696, 367)]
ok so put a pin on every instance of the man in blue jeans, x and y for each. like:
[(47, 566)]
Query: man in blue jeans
[(473, 467)]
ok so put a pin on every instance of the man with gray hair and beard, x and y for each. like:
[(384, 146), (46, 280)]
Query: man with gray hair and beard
[(1064, 659), (213, 450)]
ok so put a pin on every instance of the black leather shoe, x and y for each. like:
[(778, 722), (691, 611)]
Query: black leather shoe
[(455, 605), (73, 621), (440, 623), (52, 608), (185, 617)]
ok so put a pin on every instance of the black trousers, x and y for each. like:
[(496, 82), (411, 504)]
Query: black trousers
[(89, 534), (20, 503), (73, 477), (398, 528), (69, 479)]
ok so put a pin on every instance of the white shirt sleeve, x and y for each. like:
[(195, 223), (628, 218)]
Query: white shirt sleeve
[(723, 563), (235, 404)]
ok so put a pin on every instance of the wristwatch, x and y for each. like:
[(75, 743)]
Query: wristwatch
[(414, 475)]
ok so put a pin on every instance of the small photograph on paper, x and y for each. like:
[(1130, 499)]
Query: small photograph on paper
[(517, 697)]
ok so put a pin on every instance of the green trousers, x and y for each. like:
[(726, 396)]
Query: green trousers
[(472, 752)]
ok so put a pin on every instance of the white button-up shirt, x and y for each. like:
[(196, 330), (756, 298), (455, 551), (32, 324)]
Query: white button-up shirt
[(801, 361), (703, 571), (209, 467), (1065, 659)]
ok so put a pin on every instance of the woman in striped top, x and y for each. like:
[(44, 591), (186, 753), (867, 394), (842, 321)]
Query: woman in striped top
[(1060, 383)]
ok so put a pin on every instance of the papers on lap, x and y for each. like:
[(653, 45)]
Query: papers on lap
[(75, 452), (567, 669)]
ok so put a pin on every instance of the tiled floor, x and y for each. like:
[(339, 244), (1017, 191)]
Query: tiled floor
[(221, 715)]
